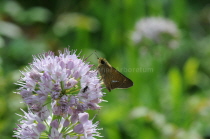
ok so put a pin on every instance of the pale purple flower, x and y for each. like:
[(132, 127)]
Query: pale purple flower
[(66, 123), (27, 128), (55, 134), (53, 89), (54, 124), (86, 127), (157, 29)]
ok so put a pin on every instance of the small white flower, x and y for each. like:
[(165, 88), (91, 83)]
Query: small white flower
[(155, 29)]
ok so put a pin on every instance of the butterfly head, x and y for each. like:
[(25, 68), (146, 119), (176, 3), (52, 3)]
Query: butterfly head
[(103, 62)]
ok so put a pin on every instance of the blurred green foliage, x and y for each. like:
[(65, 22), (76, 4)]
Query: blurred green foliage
[(170, 98)]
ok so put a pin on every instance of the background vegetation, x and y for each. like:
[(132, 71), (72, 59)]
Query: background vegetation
[(171, 101)]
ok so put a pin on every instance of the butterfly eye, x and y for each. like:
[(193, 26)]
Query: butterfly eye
[(102, 62)]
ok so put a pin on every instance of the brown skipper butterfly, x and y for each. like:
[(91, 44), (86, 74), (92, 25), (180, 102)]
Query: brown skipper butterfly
[(111, 77)]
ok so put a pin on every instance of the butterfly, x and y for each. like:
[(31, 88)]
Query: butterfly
[(111, 77)]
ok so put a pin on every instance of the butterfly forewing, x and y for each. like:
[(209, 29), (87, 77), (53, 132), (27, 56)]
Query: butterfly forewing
[(118, 80), (113, 78)]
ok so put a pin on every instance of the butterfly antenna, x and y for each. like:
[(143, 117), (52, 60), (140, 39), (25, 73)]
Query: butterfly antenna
[(87, 57), (96, 55)]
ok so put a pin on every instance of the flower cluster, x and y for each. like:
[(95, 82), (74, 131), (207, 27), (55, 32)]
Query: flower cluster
[(58, 90), (157, 29)]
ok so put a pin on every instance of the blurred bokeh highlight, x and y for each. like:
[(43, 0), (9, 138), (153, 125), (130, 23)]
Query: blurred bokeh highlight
[(163, 46)]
